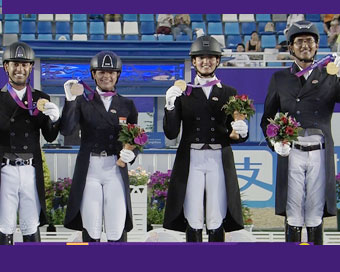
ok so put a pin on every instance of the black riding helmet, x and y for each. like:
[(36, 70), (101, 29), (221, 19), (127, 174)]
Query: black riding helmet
[(18, 52), (302, 28), (205, 45), (106, 60)]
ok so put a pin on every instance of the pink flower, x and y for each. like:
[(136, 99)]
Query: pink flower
[(272, 130), (141, 139)]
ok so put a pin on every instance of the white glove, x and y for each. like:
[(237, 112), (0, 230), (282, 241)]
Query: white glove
[(240, 127), (171, 94), (282, 149), (127, 155), (52, 111), (337, 62), (67, 88)]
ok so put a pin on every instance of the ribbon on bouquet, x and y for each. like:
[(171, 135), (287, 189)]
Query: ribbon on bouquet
[(321, 62), (90, 96), (208, 84), (32, 107)]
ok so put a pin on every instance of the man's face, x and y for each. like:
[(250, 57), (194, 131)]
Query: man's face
[(18, 72), (304, 47), (106, 79), (205, 65)]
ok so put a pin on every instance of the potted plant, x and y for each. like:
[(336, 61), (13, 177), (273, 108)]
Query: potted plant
[(57, 194), (337, 187), (158, 191), (138, 192), (247, 220)]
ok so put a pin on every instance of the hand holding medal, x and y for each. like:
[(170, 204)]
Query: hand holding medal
[(333, 67), (41, 104)]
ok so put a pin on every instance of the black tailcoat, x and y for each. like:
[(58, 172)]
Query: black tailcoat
[(99, 131), (203, 122), (20, 133), (312, 105)]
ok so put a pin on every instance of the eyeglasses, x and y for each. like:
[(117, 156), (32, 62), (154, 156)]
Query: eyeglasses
[(309, 41)]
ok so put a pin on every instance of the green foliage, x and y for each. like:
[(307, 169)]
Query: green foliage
[(246, 214), (155, 216)]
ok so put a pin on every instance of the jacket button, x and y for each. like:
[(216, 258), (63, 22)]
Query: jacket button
[(111, 137), (198, 129), (298, 112), (212, 129), (212, 118), (96, 145), (12, 120), (26, 134), (297, 99), (197, 139), (12, 134), (28, 121), (198, 118), (13, 147), (316, 112), (212, 139), (25, 147)]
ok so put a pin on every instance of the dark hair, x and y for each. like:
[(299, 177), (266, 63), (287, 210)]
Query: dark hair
[(241, 44)]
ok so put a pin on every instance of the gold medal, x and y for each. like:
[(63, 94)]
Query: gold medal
[(332, 69), (41, 104), (77, 89), (181, 84)]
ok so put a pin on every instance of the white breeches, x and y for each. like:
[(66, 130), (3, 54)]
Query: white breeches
[(104, 196), (18, 193), (205, 174), (306, 188)]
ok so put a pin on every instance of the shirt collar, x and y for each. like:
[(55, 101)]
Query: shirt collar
[(202, 81)]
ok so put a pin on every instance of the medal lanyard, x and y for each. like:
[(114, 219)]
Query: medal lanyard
[(32, 108), (92, 92), (208, 84), (322, 62)]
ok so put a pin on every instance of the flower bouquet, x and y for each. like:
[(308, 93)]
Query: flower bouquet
[(282, 128), (131, 136), (240, 107)]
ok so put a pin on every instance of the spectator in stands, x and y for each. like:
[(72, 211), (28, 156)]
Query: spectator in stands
[(164, 23), (112, 18), (305, 184), (239, 60), (283, 48), (333, 34), (293, 18), (327, 19), (204, 170), (182, 24), (254, 44), (96, 17), (99, 188), (22, 177)]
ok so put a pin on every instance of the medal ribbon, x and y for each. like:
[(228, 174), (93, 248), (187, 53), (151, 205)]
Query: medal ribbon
[(92, 92), (32, 108), (321, 62), (208, 84)]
